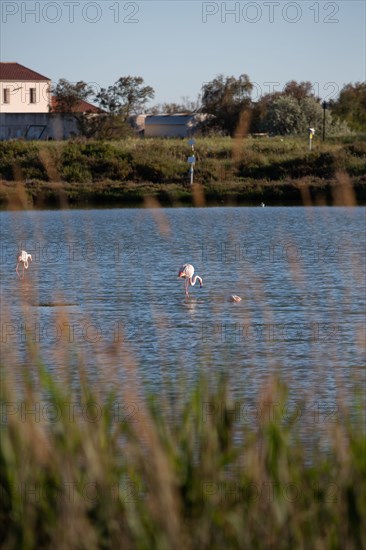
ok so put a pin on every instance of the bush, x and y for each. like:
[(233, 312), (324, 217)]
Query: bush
[(19, 160), (76, 174), (319, 165), (357, 149), (85, 162), (158, 166)]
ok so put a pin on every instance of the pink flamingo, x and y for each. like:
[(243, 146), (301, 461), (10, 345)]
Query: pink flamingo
[(23, 259), (186, 272)]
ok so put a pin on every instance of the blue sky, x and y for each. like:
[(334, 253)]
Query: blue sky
[(176, 46)]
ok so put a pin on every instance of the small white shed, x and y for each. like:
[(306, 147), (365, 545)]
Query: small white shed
[(177, 125)]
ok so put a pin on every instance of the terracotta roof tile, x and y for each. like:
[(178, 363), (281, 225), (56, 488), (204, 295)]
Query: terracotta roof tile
[(15, 71), (81, 107)]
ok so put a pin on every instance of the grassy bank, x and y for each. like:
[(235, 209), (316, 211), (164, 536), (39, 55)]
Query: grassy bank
[(227, 171), (178, 471)]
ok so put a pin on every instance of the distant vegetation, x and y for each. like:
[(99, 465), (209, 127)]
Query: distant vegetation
[(235, 107), (237, 170)]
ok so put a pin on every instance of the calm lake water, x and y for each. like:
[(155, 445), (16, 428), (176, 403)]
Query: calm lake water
[(103, 285)]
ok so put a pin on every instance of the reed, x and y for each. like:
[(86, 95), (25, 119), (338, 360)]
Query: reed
[(76, 472)]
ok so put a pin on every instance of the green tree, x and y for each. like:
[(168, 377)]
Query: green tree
[(293, 111), (259, 112), (313, 113), (302, 92), (67, 98), (68, 95), (128, 96), (102, 125), (314, 118), (351, 106), (187, 106), (298, 90), (285, 117), (228, 99)]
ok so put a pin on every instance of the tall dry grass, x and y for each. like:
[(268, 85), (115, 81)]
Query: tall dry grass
[(187, 475)]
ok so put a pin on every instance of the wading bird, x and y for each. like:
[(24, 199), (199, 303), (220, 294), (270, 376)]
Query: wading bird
[(23, 259), (186, 272)]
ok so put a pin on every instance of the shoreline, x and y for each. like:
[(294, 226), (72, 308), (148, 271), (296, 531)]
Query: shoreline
[(54, 196)]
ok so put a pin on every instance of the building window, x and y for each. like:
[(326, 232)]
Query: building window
[(6, 95), (32, 95)]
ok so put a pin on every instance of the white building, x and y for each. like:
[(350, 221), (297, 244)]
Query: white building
[(27, 109), (22, 90), (177, 125)]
